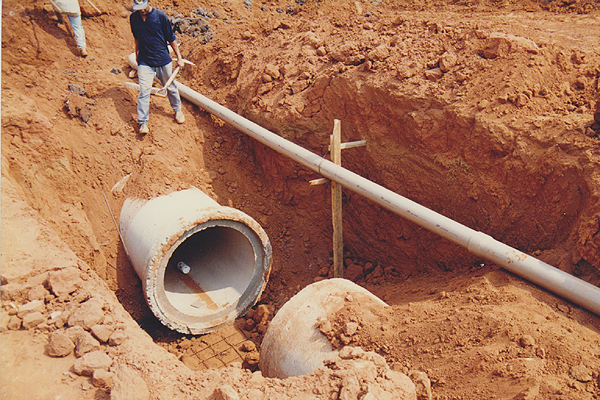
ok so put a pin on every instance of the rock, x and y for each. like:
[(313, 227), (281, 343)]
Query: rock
[(399, 385), (369, 267), (249, 324), (434, 74), (248, 345), (422, 384), (353, 272), (117, 337), (496, 47), (500, 44), (60, 345), (73, 332), (32, 306), (527, 341), (521, 100), (483, 104), (314, 40), (37, 292), (252, 358), (262, 314), (272, 71), (39, 279), (447, 61), (375, 358), (522, 43), (350, 328), (128, 385), (102, 379), (102, 332), (581, 373), (10, 291), (379, 53), (299, 85), (76, 105), (580, 83), (85, 343), (87, 314), (350, 388), (90, 362), (32, 320), (347, 53), (345, 339), (377, 272), (325, 327), (345, 353), (14, 323), (225, 392), (65, 281)]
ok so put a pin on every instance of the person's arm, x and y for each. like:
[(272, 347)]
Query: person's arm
[(175, 47), (137, 50)]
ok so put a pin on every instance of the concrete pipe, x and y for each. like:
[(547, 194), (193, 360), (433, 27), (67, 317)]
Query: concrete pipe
[(201, 264), (293, 344)]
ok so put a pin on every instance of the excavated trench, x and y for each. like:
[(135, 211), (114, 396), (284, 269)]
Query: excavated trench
[(511, 164), (474, 170)]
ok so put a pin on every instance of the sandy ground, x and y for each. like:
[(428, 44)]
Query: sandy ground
[(481, 111)]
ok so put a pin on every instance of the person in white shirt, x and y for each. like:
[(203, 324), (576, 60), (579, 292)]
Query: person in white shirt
[(71, 9)]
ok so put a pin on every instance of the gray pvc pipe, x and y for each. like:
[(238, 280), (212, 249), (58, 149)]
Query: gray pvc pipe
[(571, 288)]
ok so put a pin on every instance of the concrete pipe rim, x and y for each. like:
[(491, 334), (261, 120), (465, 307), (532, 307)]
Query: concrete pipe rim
[(172, 316)]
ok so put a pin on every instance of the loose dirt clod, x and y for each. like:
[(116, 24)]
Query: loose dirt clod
[(60, 345)]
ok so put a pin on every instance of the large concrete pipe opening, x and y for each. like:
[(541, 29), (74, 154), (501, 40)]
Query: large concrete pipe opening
[(201, 264)]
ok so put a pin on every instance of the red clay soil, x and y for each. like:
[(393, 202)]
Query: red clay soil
[(484, 111)]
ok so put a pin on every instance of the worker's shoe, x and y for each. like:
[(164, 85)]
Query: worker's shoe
[(179, 117), (83, 52), (144, 129)]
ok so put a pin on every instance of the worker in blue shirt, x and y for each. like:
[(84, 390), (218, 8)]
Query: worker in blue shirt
[(153, 34)]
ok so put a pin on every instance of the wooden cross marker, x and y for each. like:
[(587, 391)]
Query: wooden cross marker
[(336, 203), (335, 148)]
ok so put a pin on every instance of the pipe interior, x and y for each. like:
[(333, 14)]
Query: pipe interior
[(221, 261)]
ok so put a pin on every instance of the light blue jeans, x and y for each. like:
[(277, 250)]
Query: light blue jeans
[(78, 32), (146, 76)]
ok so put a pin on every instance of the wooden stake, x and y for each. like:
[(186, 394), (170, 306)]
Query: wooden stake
[(319, 181), (351, 145), (336, 203)]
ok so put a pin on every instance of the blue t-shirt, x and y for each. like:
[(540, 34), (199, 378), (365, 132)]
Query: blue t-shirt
[(153, 36)]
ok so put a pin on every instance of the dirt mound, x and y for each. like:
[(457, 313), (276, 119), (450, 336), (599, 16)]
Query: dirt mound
[(483, 111)]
